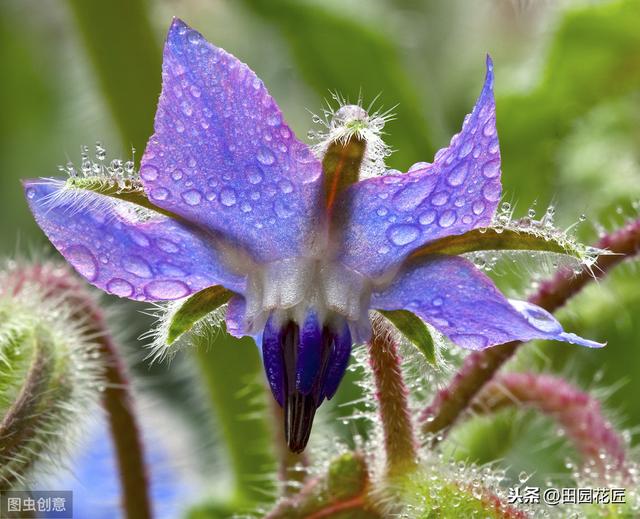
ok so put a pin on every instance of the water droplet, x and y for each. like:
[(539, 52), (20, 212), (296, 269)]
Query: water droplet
[(447, 219), (285, 186), (537, 317), (282, 209), (228, 197), (160, 193), (427, 217), (265, 156), (82, 260), (179, 125), (466, 219), (170, 270), (465, 149), (410, 197), (187, 109), (523, 477), (149, 172), (194, 38), (382, 211), (167, 245), (166, 289), (491, 169), (478, 207), (490, 128), (31, 193), (177, 174), (491, 191), (403, 234), (437, 301), (458, 174), (137, 266), (440, 198), (253, 174), (469, 341), (139, 238), (192, 197), (246, 207), (273, 119), (120, 287), (195, 91)]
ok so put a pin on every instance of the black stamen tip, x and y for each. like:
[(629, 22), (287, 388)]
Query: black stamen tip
[(299, 411)]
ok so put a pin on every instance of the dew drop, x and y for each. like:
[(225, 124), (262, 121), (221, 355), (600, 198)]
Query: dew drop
[(411, 196), (382, 211), (537, 317), (139, 238), (440, 198), (166, 289), (478, 207), (137, 266), (83, 261), (160, 193), (465, 149), (282, 209), (403, 234), (228, 197), (120, 287), (167, 245), (177, 174), (149, 173), (265, 156), (491, 169), (285, 186), (491, 191), (447, 219), (31, 193), (469, 341), (458, 174), (427, 217), (195, 91), (192, 197)]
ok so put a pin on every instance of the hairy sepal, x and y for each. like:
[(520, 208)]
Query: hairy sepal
[(414, 330)]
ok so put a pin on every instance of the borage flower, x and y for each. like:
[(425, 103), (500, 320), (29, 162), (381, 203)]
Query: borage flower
[(228, 196)]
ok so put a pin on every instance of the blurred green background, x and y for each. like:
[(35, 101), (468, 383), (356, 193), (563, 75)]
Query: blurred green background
[(568, 107)]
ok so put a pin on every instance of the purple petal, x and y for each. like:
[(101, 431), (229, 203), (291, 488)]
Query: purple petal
[(395, 214), (461, 302), (108, 243), (309, 358), (272, 357), (235, 317), (338, 362), (222, 155)]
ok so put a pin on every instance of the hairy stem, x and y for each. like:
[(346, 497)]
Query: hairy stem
[(391, 393), (577, 412), (480, 367), (117, 398)]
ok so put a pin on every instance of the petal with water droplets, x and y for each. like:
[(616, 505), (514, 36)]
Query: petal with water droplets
[(461, 302), (222, 155)]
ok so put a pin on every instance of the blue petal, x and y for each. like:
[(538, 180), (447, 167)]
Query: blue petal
[(222, 155), (114, 249), (310, 353), (461, 302), (338, 362), (272, 357), (393, 215)]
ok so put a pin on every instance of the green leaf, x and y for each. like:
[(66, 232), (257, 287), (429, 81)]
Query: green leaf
[(414, 329), (505, 239), (335, 53), (195, 308)]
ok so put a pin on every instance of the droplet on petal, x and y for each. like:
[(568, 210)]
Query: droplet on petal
[(403, 234), (83, 261), (166, 289)]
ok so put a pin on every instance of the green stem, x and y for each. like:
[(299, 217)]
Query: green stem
[(231, 369)]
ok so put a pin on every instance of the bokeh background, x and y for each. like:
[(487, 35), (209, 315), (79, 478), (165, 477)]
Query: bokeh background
[(568, 108)]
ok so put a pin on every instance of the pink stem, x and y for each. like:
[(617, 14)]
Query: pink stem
[(577, 412), (480, 367), (391, 392), (117, 399)]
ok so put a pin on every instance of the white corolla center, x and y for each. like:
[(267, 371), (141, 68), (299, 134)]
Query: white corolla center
[(292, 287)]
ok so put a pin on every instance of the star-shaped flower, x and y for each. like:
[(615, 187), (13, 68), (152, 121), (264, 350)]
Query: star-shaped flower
[(228, 195)]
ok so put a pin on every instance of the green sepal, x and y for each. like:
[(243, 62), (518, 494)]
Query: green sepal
[(195, 308), (414, 329)]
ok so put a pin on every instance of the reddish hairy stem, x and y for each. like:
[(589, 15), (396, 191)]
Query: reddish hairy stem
[(117, 398), (577, 412), (479, 367), (391, 393)]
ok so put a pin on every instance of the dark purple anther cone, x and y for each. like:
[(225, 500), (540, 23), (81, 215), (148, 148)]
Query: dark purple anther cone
[(304, 365)]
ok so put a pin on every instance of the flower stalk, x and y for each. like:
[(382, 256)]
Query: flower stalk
[(480, 367), (577, 412), (117, 399), (391, 393)]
